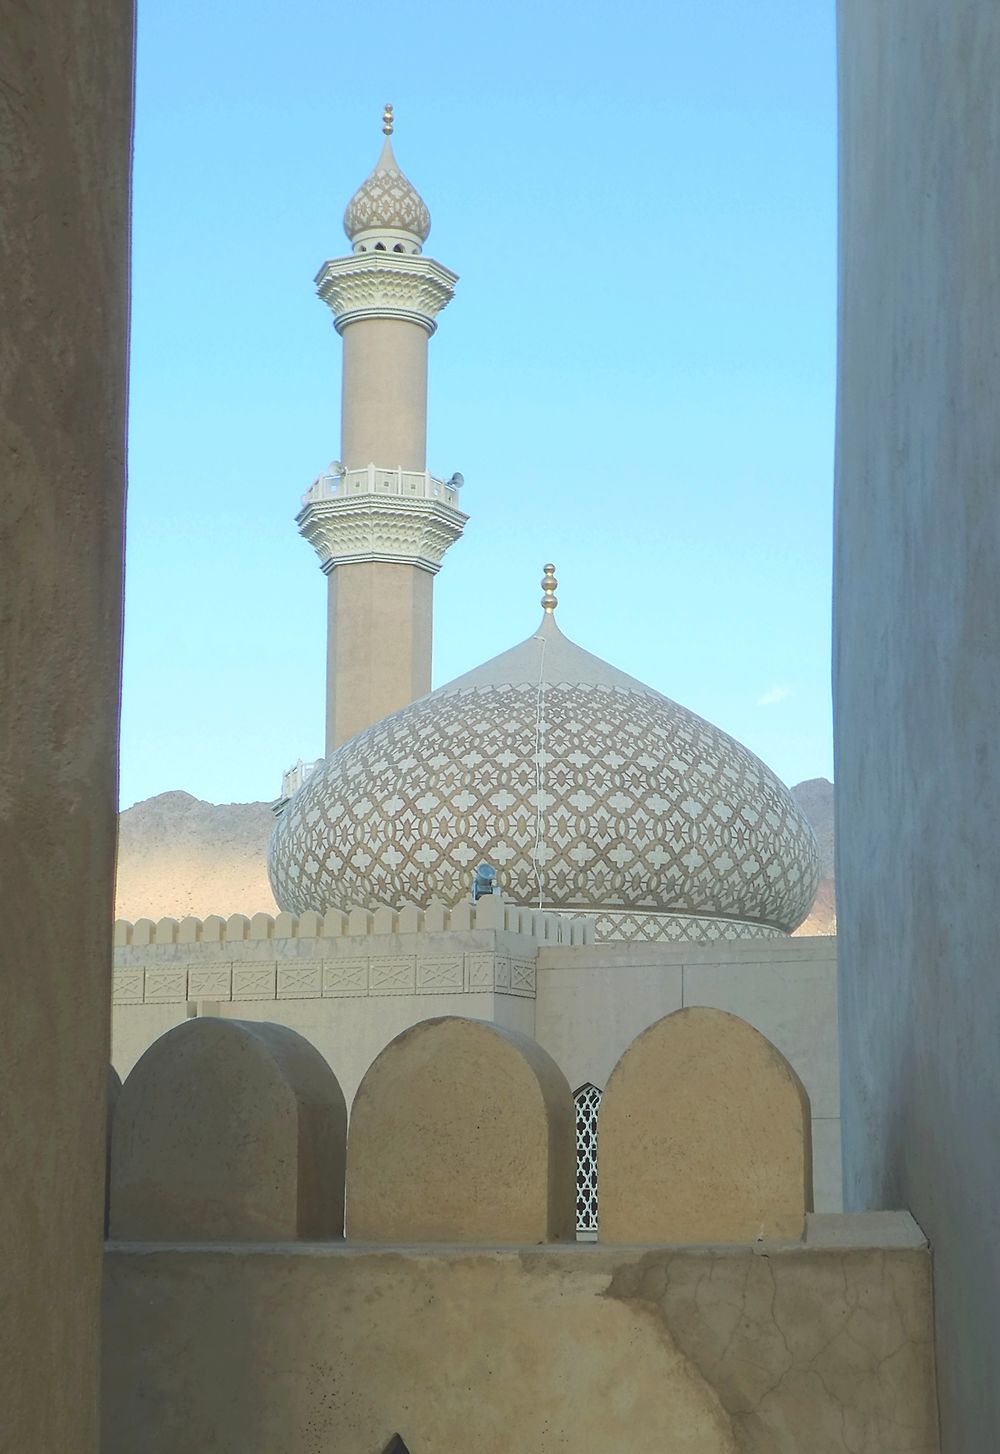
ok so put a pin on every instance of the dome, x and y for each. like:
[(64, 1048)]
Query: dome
[(387, 203), (589, 792)]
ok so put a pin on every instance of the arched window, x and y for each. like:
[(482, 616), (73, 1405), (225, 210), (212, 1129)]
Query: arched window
[(588, 1102)]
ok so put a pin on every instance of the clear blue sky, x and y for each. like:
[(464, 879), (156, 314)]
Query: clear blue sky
[(636, 376)]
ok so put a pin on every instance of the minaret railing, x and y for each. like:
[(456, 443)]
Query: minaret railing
[(372, 480)]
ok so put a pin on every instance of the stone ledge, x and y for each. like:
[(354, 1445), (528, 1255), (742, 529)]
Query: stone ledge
[(784, 1347)]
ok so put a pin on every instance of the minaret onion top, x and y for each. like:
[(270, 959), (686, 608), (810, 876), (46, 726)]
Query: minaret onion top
[(387, 213)]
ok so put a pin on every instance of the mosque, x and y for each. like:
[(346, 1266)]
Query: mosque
[(564, 847), (234, 1305)]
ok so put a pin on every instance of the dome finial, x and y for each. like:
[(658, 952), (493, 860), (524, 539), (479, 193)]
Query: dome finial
[(549, 583), (387, 213)]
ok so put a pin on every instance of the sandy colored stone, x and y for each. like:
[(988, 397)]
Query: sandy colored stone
[(820, 1347), (380, 617), (379, 611), (180, 856), (703, 1136), (114, 1091), (65, 159), (228, 1130), (591, 1000), (461, 1131), (384, 394)]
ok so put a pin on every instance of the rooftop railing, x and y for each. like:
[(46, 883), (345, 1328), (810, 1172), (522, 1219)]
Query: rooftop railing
[(408, 484)]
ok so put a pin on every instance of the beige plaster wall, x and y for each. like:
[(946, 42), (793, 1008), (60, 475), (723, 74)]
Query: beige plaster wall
[(822, 1346), (228, 1131), (704, 1136), (378, 643), (592, 1001), (462, 1131), (349, 996), (584, 1003), (65, 129), (917, 655), (384, 394)]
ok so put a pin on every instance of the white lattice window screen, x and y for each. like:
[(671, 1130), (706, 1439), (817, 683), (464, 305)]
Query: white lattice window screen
[(588, 1103)]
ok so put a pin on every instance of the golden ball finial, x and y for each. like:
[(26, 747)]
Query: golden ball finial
[(387, 119), (549, 583)]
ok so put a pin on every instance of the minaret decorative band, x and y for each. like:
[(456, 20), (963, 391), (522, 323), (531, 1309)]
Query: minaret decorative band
[(406, 516), (385, 285)]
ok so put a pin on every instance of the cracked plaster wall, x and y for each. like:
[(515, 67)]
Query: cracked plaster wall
[(822, 1346)]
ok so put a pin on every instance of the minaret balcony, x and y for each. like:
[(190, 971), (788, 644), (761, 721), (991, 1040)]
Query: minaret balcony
[(410, 484), (375, 514)]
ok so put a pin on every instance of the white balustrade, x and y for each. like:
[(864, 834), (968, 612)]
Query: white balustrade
[(372, 480)]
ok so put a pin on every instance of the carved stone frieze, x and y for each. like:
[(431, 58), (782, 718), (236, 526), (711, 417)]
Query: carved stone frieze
[(385, 285), (381, 527), (434, 972)]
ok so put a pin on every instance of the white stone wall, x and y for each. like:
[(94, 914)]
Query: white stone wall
[(593, 1001), (349, 989)]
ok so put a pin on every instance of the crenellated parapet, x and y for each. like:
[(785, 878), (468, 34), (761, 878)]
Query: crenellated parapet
[(485, 948), (489, 913)]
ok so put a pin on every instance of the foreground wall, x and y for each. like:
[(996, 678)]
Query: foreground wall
[(917, 672), (820, 1346), (65, 123), (459, 1314)]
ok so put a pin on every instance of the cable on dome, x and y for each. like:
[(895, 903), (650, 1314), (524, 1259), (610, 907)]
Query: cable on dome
[(539, 769)]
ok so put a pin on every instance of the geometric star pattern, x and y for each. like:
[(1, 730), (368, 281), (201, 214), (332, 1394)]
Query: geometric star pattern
[(585, 797)]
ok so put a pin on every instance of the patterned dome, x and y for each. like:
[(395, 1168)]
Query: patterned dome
[(388, 201), (588, 791)]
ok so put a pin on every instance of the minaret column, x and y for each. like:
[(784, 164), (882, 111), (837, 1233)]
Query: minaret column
[(384, 394), (378, 520)]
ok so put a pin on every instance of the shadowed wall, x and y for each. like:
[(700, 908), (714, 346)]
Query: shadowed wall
[(917, 655), (65, 137)]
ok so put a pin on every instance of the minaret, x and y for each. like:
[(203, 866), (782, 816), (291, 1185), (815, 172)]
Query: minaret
[(378, 521)]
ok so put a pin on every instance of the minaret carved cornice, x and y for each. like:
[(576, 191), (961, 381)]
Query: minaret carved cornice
[(385, 285), (406, 516)]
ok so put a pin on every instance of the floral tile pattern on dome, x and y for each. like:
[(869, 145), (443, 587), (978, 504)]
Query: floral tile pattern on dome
[(387, 198)]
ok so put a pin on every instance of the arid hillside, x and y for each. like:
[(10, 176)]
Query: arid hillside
[(815, 798), (178, 855)]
